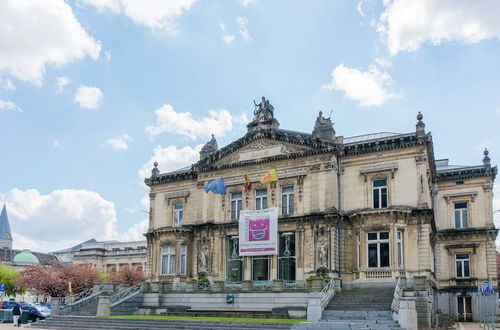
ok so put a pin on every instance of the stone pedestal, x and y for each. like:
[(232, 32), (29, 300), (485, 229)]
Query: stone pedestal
[(246, 286), (56, 306), (218, 286), (314, 310), (278, 285), (104, 306), (315, 285), (407, 316)]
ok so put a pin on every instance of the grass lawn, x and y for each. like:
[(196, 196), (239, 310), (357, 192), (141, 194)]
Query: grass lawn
[(203, 318)]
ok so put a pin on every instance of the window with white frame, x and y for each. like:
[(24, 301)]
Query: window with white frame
[(462, 262), (461, 219), (236, 203), (287, 202), (261, 199), (399, 248), (183, 260), (380, 194), (168, 260), (378, 249), (178, 210)]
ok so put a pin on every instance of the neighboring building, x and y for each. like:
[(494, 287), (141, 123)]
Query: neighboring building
[(367, 209), (18, 258), (106, 256)]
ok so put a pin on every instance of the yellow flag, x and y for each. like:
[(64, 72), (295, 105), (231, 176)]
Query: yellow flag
[(271, 176)]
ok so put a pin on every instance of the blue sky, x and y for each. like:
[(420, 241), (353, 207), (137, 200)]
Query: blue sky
[(93, 91)]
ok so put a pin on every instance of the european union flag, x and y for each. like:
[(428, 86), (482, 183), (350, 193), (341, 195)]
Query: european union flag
[(216, 186)]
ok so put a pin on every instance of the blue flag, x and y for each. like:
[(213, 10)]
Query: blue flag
[(216, 186)]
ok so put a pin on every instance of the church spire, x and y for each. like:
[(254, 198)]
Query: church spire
[(5, 234)]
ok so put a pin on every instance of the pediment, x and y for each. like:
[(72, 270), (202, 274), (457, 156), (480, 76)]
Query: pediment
[(264, 144), (260, 149)]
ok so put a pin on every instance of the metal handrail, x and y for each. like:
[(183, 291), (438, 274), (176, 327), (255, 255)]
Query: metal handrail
[(126, 293), (396, 296), (327, 292), (204, 286), (83, 296)]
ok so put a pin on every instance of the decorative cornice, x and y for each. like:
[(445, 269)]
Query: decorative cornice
[(389, 143), (465, 232), (466, 173)]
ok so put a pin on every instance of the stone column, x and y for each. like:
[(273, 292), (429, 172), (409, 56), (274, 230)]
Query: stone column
[(104, 306), (56, 306)]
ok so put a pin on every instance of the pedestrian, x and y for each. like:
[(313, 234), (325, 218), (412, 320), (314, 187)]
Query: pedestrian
[(16, 312)]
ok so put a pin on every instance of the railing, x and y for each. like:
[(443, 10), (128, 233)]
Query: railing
[(396, 296), (327, 293), (262, 284), (295, 285), (125, 294), (205, 286), (82, 296), (180, 287), (232, 285), (379, 274)]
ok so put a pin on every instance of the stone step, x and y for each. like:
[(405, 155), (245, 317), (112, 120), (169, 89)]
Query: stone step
[(103, 323), (365, 313)]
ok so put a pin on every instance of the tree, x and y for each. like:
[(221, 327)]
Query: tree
[(55, 281), (8, 277), (129, 276)]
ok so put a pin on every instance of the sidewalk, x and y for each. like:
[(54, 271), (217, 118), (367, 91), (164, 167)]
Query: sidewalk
[(469, 325)]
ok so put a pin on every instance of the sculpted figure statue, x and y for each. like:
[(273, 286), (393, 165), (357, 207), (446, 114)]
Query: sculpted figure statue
[(263, 111), (323, 254), (322, 121)]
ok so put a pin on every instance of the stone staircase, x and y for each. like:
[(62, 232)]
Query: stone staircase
[(362, 299), (89, 322)]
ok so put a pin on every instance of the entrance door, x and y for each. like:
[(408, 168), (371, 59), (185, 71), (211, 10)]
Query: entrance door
[(464, 308)]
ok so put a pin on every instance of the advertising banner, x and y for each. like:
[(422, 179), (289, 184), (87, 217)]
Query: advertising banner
[(258, 232)]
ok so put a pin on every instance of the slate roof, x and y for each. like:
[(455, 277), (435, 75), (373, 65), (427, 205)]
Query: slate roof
[(4, 223)]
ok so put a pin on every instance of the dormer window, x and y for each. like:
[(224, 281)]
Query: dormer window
[(380, 194)]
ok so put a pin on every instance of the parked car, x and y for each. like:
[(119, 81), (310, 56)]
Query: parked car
[(9, 304), (33, 313), (43, 309)]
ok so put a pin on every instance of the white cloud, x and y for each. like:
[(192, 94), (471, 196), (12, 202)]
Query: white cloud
[(55, 143), (107, 55), (88, 97), (61, 82), (368, 88), (168, 120), (242, 27), (61, 217), (7, 84), (9, 106), (169, 159), (158, 15), (135, 232), (246, 2), (407, 24), (228, 38), (119, 143), (51, 36)]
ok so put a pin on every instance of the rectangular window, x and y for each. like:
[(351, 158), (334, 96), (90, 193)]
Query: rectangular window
[(462, 262), (261, 199), (234, 261), (286, 257), (399, 246), (168, 260), (178, 214), (461, 220), (378, 249), (260, 268), (183, 260), (287, 200), (380, 194), (236, 203)]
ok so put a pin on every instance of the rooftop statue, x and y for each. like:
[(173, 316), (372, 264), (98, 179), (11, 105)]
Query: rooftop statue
[(263, 111), (209, 148), (323, 128), (322, 121)]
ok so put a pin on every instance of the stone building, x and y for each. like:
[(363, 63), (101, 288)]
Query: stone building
[(106, 256), (367, 209)]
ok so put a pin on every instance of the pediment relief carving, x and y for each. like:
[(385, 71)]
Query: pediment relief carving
[(261, 149)]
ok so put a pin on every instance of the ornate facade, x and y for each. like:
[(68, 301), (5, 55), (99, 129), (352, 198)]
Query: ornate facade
[(366, 209)]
